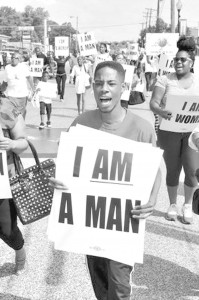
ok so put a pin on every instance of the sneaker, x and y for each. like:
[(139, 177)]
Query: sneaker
[(41, 126), (48, 123), (187, 216), (172, 213)]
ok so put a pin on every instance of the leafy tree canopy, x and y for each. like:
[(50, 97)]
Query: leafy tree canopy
[(10, 19)]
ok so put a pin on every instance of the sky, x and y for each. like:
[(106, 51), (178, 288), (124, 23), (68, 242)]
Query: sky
[(110, 20)]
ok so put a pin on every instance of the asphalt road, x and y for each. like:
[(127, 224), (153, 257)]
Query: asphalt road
[(171, 265)]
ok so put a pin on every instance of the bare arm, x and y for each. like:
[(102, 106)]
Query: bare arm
[(157, 96), (18, 142), (144, 211), (195, 139), (3, 86), (134, 81), (30, 81)]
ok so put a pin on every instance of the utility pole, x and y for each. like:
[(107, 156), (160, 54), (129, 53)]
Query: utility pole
[(45, 36), (146, 17), (172, 15), (158, 10), (149, 16)]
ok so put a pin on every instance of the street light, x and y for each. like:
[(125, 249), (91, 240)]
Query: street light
[(76, 22), (76, 28), (179, 7)]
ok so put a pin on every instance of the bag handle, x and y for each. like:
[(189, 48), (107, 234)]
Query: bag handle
[(18, 163)]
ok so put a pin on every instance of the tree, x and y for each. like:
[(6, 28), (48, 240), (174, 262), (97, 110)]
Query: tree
[(9, 19), (161, 26)]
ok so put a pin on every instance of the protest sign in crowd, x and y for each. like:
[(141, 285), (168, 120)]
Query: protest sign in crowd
[(99, 205)]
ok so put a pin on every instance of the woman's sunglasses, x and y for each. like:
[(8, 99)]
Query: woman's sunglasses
[(181, 59)]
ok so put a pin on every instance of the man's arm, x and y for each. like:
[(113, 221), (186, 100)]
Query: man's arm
[(31, 83), (144, 211), (3, 86)]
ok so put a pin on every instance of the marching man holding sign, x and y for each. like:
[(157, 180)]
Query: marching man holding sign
[(110, 278), (176, 100)]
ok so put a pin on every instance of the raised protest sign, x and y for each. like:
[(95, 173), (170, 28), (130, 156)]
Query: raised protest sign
[(196, 67), (4, 180), (157, 43), (61, 46), (36, 66), (129, 71), (105, 181), (164, 64), (185, 116), (87, 44), (132, 51), (47, 89)]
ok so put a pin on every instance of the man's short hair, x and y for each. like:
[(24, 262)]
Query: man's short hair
[(112, 65)]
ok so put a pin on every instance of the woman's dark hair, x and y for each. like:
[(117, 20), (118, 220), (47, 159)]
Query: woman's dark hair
[(187, 44)]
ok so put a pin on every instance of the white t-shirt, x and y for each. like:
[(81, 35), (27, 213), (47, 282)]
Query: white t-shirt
[(47, 91), (16, 77), (100, 58)]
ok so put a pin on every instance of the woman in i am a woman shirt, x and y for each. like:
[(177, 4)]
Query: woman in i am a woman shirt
[(177, 153)]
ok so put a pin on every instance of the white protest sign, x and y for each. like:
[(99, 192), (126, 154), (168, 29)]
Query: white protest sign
[(185, 116), (196, 67), (47, 89), (132, 51), (129, 71), (36, 66), (104, 183), (157, 43), (87, 44), (164, 64), (61, 46), (4, 179)]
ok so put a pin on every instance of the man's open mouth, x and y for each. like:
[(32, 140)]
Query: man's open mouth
[(104, 100)]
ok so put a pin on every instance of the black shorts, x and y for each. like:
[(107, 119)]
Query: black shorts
[(45, 106)]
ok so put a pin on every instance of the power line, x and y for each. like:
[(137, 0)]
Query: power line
[(105, 26)]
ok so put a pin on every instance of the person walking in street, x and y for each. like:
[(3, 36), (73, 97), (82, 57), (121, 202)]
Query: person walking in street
[(103, 55), (44, 101), (4, 56), (111, 279), (73, 62), (61, 75), (80, 71), (17, 84), (39, 54), (148, 73), (52, 67), (177, 153), (12, 140)]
